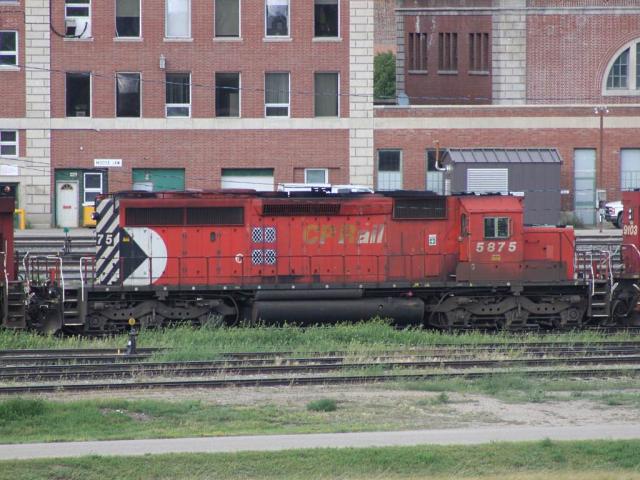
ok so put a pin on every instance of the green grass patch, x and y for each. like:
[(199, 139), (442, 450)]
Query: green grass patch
[(523, 389), (323, 405), (545, 459), (188, 343)]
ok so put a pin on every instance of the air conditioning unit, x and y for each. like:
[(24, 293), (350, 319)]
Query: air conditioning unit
[(79, 27)]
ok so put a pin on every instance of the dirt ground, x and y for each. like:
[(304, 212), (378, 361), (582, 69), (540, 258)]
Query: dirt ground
[(405, 409)]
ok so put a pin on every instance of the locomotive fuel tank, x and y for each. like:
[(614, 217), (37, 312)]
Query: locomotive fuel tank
[(406, 311)]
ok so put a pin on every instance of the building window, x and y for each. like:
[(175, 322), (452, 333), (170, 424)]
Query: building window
[(629, 169), (277, 18), (77, 18), (178, 19), (389, 169), (448, 52), (8, 49), (326, 18), (127, 94), (326, 94), (79, 94), (623, 73), (227, 94), (178, 97), (276, 94), (8, 143), (127, 18), (496, 227), (619, 73), (316, 175), (435, 177), (417, 50), (479, 52), (92, 186), (227, 17)]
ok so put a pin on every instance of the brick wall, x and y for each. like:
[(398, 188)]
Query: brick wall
[(434, 87), (302, 55), (385, 26), (204, 153), (12, 81), (568, 55), (414, 144)]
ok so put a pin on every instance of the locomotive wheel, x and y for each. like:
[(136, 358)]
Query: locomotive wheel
[(620, 312), (52, 322)]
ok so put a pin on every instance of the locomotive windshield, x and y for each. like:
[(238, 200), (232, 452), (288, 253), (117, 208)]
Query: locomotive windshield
[(496, 227)]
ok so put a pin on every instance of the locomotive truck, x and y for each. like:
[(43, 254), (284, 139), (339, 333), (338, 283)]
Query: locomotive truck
[(240, 256)]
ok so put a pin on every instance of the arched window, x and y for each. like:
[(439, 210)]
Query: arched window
[(623, 75)]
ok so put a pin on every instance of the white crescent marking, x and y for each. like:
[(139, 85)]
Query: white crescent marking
[(153, 246)]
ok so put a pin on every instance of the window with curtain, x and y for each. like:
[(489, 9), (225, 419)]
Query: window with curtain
[(389, 169), (127, 18), (127, 94), (227, 94), (78, 86), (178, 98), (277, 18), (276, 94), (227, 18), (326, 18), (8, 49), (178, 19), (326, 94)]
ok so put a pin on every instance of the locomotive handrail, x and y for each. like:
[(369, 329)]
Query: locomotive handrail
[(51, 257), (82, 288), (25, 266)]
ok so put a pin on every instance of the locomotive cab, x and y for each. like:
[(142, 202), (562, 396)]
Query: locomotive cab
[(491, 239), (630, 234)]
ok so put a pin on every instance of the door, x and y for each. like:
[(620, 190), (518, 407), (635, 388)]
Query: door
[(629, 169), (158, 179), (584, 168), (67, 204), (260, 179)]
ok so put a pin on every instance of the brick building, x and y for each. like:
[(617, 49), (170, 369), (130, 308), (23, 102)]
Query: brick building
[(109, 95), (561, 74), (120, 94)]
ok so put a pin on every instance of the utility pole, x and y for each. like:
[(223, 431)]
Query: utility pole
[(601, 111)]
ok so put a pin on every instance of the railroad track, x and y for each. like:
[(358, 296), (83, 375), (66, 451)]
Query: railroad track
[(304, 366), (315, 380), (70, 372)]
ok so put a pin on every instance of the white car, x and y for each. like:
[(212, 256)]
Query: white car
[(613, 213)]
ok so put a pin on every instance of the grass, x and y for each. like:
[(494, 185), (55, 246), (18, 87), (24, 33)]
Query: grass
[(522, 389), (188, 343), (27, 420), (523, 461), (323, 405)]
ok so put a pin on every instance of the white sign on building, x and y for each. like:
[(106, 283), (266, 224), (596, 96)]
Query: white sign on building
[(107, 162)]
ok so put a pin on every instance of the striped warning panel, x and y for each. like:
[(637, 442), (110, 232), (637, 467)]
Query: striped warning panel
[(108, 242)]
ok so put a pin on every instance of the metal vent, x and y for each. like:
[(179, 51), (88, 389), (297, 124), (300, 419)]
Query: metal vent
[(215, 216), (420, 208), (292, 209), (142, 217)]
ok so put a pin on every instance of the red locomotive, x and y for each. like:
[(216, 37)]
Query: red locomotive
[(455, 262)]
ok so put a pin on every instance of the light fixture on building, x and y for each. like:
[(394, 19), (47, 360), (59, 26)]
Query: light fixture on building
[(163, 62)]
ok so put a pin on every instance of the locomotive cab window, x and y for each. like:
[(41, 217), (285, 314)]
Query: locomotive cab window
[(496, 227)]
